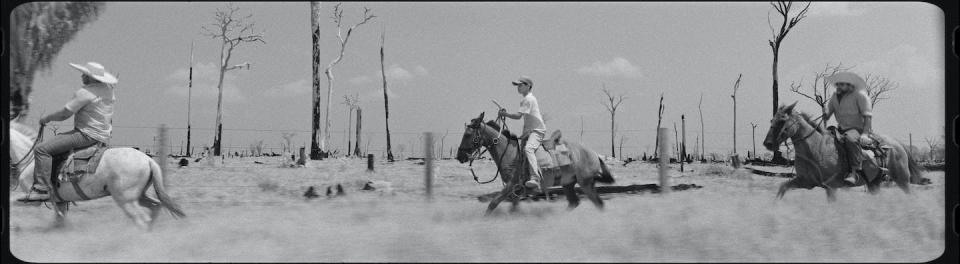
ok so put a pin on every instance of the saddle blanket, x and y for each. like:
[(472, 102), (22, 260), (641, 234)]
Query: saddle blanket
[(548, 159), (81, 162)]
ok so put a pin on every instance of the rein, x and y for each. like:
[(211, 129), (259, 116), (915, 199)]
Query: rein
[(31, 150), (495, 142)]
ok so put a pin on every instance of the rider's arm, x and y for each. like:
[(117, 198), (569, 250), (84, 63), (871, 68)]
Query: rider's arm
[(61, 115), (868, 125), (516, 115), (80, 99)]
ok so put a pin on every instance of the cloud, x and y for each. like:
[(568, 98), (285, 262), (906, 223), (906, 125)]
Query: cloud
[(835, 9), (205, 78), (394, 73), (618, 67), (420, 70), (293, 89)]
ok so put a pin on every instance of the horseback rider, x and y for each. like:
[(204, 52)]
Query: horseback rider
[(851, 105), (533, 127), (92, 106)]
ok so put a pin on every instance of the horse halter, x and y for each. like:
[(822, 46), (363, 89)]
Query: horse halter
[(479, 148)]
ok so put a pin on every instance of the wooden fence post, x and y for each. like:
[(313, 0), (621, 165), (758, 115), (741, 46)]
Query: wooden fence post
[(162, 150), (664, 160), (428, 164)]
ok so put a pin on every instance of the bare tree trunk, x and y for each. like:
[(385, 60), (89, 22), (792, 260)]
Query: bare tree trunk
[(659, 118), (702, 143), (356, 150), (386, 100), (734, 96), (613, 120), (783, 8), (337, 17), (349, 123), (315, 150)]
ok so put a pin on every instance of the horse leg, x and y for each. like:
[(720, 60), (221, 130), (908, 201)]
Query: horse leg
[(496, 201), (590, 190), (514, 204), (60, 210), (151, 204), (572, 199), (783, 189), (831, 193)]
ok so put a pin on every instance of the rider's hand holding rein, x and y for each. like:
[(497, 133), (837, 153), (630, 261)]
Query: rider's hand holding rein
[(61, 115)]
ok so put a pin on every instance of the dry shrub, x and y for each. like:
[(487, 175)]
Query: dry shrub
[(720, 170), (268, 186)]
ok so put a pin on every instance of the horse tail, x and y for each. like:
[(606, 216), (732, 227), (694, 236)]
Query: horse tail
[(605, 176), (156, 175), (915, 170)]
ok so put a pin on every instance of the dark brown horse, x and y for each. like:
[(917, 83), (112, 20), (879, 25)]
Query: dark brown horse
[(586, 168), (817, 161)]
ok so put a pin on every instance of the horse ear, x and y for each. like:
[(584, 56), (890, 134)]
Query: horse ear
[(790, 107), (481, 116)]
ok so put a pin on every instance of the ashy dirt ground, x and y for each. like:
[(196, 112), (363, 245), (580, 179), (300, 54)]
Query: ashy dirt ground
[(252, 210)]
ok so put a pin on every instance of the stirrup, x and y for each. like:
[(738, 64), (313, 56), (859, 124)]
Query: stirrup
[(34, 191)]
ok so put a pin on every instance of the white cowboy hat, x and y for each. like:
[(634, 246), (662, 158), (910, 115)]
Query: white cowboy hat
[(96, 71), (848, 77)]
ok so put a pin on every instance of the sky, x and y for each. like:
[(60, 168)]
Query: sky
[(445, 62)]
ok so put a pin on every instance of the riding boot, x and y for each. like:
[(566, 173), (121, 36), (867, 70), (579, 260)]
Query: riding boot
[(855, 157), (535, 179), (40, 191)]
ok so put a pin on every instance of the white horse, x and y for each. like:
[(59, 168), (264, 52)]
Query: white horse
[(124, 173)]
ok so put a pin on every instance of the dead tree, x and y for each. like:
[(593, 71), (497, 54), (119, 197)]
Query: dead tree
[(783, 8), (356, 148), (342, 40), (315, 151), (877, 86), (820, 87), (352, 103), (700, 146), (386, 100), (614, 102), (734, 96), (622, 139), (659, 118), (286, 138), (231, 31)]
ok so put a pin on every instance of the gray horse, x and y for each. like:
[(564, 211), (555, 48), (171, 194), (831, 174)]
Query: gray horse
[(586, 168), (817, 161)]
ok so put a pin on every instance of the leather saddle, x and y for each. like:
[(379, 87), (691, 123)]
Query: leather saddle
[(874, 148), (73, 165)]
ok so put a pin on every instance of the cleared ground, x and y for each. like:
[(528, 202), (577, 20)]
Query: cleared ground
[(250, 212)]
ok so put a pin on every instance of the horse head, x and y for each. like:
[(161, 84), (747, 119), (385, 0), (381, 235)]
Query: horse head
[(471, 141), (22, 138), (782, 126)]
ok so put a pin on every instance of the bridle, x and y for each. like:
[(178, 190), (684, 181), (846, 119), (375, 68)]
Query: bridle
[(792, 124), (479, 148)]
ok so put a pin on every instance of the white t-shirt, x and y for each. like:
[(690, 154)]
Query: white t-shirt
[(93, 108), (532, 120)]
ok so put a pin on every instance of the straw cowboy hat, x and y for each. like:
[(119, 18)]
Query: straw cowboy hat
[(96, 71), (848, 77)]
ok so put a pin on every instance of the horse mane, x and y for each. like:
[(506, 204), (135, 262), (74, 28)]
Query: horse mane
[(815, 125), (23, 129), (505, 132)]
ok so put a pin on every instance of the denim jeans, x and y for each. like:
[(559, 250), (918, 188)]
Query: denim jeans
[(59, 144)]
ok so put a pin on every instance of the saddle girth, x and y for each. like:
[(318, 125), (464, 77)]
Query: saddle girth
[(73, 165)]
